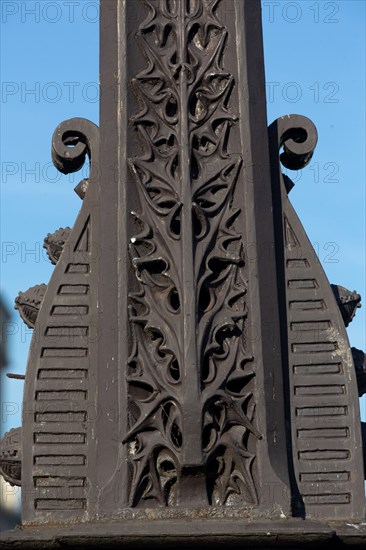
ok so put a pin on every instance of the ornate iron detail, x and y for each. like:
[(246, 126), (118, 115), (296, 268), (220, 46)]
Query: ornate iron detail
[(347, 301), (54, 243), (319, 357), (359, 359), (56, 430), (82, 188), (72, 141), (28, 304), (10, 456), (298, 137), (152, 379), (191, 409)]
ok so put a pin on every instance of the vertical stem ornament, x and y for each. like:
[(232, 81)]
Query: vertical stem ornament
[(189, 411)]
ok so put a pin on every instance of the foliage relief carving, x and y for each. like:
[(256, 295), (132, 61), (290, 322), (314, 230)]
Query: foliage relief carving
[(190, 403)]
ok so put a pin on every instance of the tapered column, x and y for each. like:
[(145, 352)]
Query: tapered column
[(188, 206)]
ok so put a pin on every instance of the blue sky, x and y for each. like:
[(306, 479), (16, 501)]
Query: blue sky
[(315, 66)]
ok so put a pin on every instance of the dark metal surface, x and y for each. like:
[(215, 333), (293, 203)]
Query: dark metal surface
[(54, 243), (348, 302), (199, 396), (11, 456), (359, 360), (189, 533), (174, 375), (323, 396), (28, 304)]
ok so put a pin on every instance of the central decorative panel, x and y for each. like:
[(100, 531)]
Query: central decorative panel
[(191, 412)]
